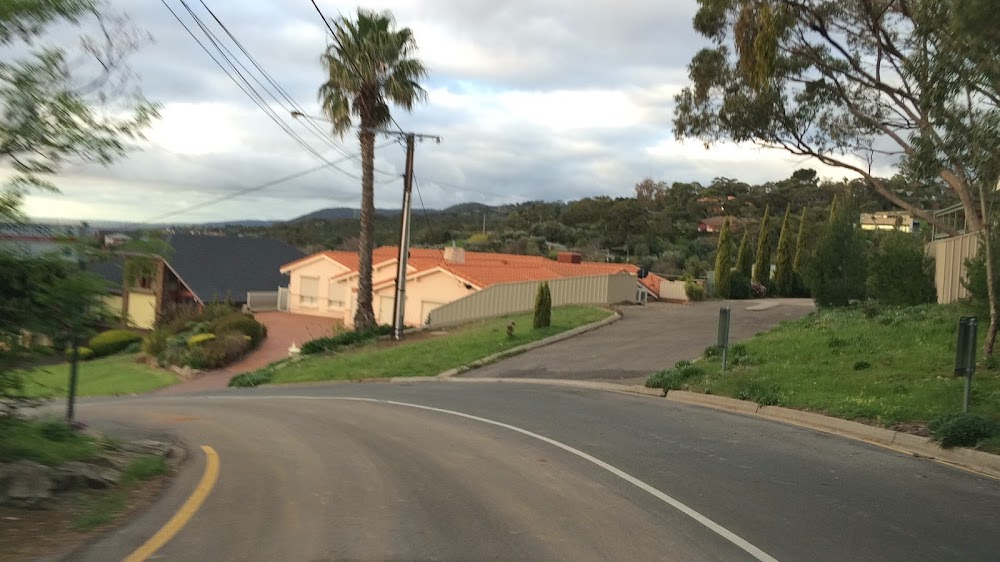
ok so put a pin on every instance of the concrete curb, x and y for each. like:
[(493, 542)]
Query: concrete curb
[(915, 445), (616, 316), (589, 385)]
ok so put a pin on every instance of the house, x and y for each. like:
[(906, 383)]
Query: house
[(200, 269), (714, 224), (326, 283), (889, 220), (39, 238)]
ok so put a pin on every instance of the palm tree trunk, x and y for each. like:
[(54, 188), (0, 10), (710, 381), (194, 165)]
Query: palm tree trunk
[(364, 317)]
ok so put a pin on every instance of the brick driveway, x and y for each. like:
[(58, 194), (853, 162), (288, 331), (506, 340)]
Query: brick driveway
[(647, 339), (283, 329)]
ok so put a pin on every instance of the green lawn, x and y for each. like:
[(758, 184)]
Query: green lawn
[(893, 369), (430, 356), (116, 374), (49, 442)]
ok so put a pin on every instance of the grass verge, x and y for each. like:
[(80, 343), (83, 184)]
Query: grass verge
[(101, 508), (48, 442), (891, 368), (433, 354), (116, 374)]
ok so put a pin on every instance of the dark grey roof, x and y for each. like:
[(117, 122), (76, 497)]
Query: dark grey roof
[(229, 266), (112, 270)]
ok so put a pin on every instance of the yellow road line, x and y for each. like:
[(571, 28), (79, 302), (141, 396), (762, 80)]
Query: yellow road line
[(185, 513)]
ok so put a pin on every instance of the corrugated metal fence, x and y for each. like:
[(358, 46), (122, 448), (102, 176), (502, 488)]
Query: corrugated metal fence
[(511, 298), (949, 265)]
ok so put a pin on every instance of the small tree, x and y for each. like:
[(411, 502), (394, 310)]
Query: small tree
[(899, 256), (800, 243), (543, 307), (836, 273), (783, 273), (762, 267), (724, 261), (744, 259)]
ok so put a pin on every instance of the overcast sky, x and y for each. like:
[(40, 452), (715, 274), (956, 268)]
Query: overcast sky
[(533, 100)]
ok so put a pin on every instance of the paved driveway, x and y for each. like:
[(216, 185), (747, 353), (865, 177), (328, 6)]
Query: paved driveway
[(647, 339)]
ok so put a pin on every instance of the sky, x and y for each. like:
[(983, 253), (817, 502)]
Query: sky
[(553, 100)]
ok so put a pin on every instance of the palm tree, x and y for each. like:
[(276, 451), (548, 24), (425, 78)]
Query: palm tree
[(368, 65)]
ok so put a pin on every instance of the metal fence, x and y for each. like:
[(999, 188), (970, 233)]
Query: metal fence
[(266, 300), (949, 265), (512, 298)]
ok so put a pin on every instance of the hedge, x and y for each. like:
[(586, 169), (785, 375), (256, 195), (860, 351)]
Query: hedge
[(112, 341)]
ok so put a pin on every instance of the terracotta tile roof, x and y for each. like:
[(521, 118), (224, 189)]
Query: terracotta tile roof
[(487, 268)]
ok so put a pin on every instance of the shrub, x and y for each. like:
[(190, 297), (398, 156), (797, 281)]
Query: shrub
[(220, 351), (242, 323), (713, 351), (216, 310), (175, 316), (963, 430), (836, 274), (862, 365), (112, 341), (899, 256), (739, 285), (154, 343), (55, 430), (198, 339), (344, 339), (255, 378), (674, 379), (724, 261), (543, 307), (755, 391), (694, 291), (134, 347), (799, 287), (82, 353), (758, 290)]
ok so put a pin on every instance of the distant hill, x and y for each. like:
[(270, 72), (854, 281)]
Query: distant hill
[(340, 213), (221, 224)]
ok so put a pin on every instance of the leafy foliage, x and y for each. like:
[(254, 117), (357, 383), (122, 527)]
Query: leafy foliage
[(344, 339), (836, 276), (762, 265), (543, 307), (739, 285), (241, 323), (744, 260), (783, 271), (963, 430), (255, 378), (694, 290), (901, 274), (674, 379), (198, 339), (112, 341)]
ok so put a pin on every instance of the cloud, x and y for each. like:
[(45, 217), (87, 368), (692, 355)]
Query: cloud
[(554, 101)]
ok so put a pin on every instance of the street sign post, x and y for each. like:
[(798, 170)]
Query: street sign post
[(724, 316), (965, 354)]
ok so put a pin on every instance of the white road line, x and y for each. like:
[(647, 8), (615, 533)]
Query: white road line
[(676, 504)]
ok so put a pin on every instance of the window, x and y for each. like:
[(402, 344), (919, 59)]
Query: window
[(335, 298), (308, 291)]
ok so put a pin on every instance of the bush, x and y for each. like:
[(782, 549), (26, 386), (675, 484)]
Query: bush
[(134, 347), (712, 352), (198, 339), (112, 341), (674, 379), (870, 309), (216, 310), (739, 285), (898, 256), (56, 430), (758, 290), (543, 307), (755, 391), (837, 272), (154, 343), (220, 351), (82, 353), (963, 430), (799, 287), (694, 291), (255, 378), (344, 339), (242, 323)]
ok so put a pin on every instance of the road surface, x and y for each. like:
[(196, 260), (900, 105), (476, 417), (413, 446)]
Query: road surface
[(538, 473), (646, 340)]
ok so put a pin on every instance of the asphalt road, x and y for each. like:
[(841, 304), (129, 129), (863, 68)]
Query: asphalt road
[(575, 475), (647, 339)]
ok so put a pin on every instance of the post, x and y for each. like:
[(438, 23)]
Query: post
[(74, 338), (399, 305), (725, 314), (965, 355)]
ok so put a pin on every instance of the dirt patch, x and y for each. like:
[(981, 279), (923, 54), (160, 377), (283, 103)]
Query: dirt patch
[(915, 428), (27, 534)]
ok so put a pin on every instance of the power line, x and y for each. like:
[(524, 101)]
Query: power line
[(240, 192)]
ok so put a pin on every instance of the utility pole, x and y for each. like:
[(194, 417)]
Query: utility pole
[(399, 305)]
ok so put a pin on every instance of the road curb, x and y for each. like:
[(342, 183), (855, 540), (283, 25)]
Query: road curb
[(450, 373), (589, 385), (915, 445)]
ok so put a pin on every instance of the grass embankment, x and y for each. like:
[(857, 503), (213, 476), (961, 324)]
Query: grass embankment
[(115, 374), (101, 508), (49, 442), (892, 368), (434, 353)]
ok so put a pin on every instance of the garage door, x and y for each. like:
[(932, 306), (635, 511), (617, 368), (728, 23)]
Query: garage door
[(426, 307), (385, 310)]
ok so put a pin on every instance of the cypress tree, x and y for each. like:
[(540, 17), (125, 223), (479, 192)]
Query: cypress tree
[(543, 307), (724, 261), (744, 259), (762, 267), (837, 272), (800, 243), (783, 271)]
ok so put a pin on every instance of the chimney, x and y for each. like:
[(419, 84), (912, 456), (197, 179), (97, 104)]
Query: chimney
[(454, 254), (569, 257)]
